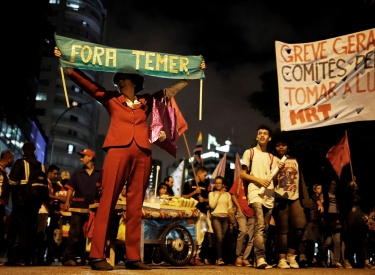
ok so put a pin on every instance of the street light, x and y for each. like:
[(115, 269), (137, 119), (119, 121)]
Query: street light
[(57, 121)]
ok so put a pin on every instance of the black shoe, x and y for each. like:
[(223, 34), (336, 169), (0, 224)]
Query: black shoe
[(100, 264), (15, 263), (70, 262), (303, 263), (136, 265)]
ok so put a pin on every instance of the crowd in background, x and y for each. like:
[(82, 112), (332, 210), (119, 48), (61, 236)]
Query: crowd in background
[(326, 227)]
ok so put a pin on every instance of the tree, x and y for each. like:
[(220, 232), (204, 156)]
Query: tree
[(266, 101)]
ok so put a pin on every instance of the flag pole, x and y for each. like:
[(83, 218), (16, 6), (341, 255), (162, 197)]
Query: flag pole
[(64, 85), (350, 162), (156, 183), (187, 148), (200, 98)]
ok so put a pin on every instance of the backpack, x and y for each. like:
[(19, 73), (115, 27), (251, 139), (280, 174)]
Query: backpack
[(36, 190), (251, 159)]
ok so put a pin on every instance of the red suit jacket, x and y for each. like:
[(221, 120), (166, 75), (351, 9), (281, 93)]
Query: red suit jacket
[(126, 123)]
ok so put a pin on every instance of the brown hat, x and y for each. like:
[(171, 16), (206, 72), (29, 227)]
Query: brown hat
[(87, 152), (65, 175)]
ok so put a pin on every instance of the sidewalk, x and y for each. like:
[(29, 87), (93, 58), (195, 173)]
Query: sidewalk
[(171, 270)]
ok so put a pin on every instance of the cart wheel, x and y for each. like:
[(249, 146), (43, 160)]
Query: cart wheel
[(177, 245)]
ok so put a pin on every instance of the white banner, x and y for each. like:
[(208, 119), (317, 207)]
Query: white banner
[(326, 82)]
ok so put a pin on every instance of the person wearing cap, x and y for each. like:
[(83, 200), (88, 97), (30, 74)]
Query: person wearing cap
[(83, 188), (128, 157)]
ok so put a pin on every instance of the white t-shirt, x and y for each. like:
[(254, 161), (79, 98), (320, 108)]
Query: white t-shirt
[(220, 204), (260, 168), (332, 206)]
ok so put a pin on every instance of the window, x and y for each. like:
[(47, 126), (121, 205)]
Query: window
[(72, 133), (73, 4), (71, 149), (54, 1), (45, 68), (41, 97), (75, 103), (76, 89), (73, 118), (40, 112), (44, 82)]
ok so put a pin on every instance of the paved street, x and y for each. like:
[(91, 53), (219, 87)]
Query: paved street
[(186, 270)]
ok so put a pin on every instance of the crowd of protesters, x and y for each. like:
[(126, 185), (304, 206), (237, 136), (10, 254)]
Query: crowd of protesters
[(283, 226)]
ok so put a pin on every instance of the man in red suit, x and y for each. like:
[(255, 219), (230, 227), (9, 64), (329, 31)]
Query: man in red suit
[(128, 158)]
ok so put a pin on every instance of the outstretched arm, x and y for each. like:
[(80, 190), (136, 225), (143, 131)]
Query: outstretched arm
[(175, 88), (86, 83)]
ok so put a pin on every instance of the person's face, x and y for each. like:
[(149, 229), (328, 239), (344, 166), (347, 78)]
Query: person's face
[(263, 136), (219, 184), (202, 176), (53, 174), (163, 190), (85, 159), (281, 149), (10, 161), (123, 192), (125, 84), (318, 189), (170, 182), (332, 186)]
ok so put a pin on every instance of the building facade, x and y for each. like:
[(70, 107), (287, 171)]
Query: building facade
[(70, 119)]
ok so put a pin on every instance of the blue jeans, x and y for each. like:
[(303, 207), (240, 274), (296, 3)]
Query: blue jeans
[(290, 224), (262, 217), (245, 237), (220, 227)]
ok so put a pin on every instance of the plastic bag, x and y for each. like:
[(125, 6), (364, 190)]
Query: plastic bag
[(163, 118)]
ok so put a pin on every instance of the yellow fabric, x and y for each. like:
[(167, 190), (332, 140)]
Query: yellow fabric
[(121, 230)]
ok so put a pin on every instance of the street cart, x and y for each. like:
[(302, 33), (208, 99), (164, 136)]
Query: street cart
[(173, 228)]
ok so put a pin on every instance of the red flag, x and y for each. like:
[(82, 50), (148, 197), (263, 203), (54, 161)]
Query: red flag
[(198, 149), (339, 155), (182, 125), (237, 167), (237, 173)]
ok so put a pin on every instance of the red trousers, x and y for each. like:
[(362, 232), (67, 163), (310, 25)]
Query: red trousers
[(131, 164)]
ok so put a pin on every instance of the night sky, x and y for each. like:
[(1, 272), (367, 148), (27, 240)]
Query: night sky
[(237, 40)]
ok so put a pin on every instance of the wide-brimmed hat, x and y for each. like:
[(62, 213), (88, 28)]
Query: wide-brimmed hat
[(137, 79)]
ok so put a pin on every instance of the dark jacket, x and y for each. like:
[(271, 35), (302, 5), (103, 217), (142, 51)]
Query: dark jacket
[(86, 187), (303, 193), (18, 180)]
